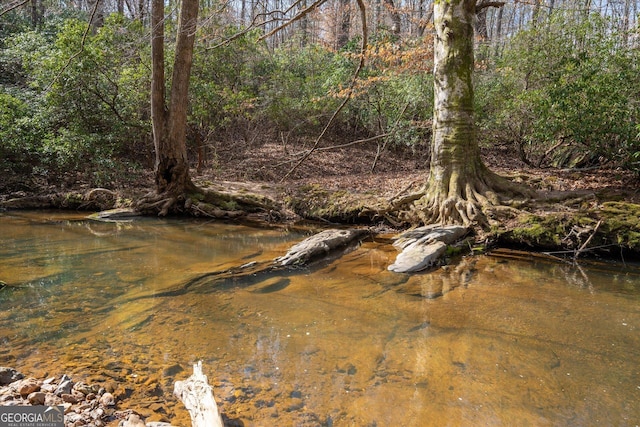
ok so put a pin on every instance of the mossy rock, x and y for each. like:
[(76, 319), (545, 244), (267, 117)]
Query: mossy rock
[(538, 232), (610, 226), (621, 223), (315, 202)]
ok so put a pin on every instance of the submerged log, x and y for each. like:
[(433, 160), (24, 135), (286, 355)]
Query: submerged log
[(196, 395), (318, 245), (423, 246)]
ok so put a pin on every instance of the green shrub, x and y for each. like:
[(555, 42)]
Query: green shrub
[(565, 94)]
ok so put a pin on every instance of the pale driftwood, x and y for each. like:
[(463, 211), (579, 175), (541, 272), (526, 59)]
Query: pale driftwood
[(317, 245), (423, 246), (418, 257), (118, 214), (196, 395)]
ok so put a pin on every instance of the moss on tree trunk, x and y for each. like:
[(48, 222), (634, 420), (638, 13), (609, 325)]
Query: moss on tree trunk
[(460, 189)]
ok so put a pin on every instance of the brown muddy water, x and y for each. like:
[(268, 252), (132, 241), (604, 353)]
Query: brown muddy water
[(491, 341)]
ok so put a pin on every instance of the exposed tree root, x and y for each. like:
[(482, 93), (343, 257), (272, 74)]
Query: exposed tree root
[(95, 199), (204, 203), (481, 202)]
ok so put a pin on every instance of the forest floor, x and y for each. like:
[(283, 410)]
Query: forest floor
[(603, 200), (352, 169)]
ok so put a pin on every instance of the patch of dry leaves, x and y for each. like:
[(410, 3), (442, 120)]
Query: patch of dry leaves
[(400, 170)]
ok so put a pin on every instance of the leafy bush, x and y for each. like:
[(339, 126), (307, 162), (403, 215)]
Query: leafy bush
[(565, 94), (85, 102)]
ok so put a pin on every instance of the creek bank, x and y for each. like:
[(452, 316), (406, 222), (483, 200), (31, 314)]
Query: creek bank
[(608, 230), (84, 404), (558, 224)]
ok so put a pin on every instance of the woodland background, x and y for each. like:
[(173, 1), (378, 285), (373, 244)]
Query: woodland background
[(556, 85)]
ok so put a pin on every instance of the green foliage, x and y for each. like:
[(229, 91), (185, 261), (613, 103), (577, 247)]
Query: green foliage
[(222, 88), (295, 83), (18, 132), (394, 94), (80, 103), (566, 94)]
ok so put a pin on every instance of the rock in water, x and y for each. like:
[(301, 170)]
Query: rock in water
[(429, 234), (318, 244), (9, 375), (418, 257), (423, 246)]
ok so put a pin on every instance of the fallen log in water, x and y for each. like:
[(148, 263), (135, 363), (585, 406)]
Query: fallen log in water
[(253, 272), (320, 244), (196, 395), (423, 246)]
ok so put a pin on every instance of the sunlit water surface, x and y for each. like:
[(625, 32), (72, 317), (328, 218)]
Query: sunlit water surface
[(494, 341)]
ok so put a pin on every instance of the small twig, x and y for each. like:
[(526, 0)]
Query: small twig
[(584, 245)]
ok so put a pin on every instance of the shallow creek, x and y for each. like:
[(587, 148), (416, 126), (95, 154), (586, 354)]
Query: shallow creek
[(496, 340)]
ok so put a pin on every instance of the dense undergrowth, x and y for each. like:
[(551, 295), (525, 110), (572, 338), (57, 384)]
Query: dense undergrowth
[(71, 102)]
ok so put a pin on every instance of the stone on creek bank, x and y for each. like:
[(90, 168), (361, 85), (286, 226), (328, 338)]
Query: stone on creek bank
[(421, 247), (9, 375), (84, 404), (320, 244)]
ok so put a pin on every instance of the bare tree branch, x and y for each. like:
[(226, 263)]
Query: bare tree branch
[(483, 5), (363, 50), (16, 4), (299, 16)]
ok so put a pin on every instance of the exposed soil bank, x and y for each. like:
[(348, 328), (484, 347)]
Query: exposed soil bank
[(579, 212)]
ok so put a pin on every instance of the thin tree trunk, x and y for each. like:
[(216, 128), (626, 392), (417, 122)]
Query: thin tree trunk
[(158, 107), (481, 24), (304, 26), (37, 8), (396, 20), (344, 26), (625, 22)]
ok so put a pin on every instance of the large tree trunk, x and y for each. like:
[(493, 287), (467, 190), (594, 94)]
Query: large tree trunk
[(460, 189), (170, 125)]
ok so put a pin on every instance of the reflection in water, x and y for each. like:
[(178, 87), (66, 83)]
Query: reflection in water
[(490, 341)]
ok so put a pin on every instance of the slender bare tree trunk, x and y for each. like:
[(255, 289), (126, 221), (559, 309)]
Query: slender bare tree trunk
[(396, 20), (304, 26), (481, 24), (344, 26)]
